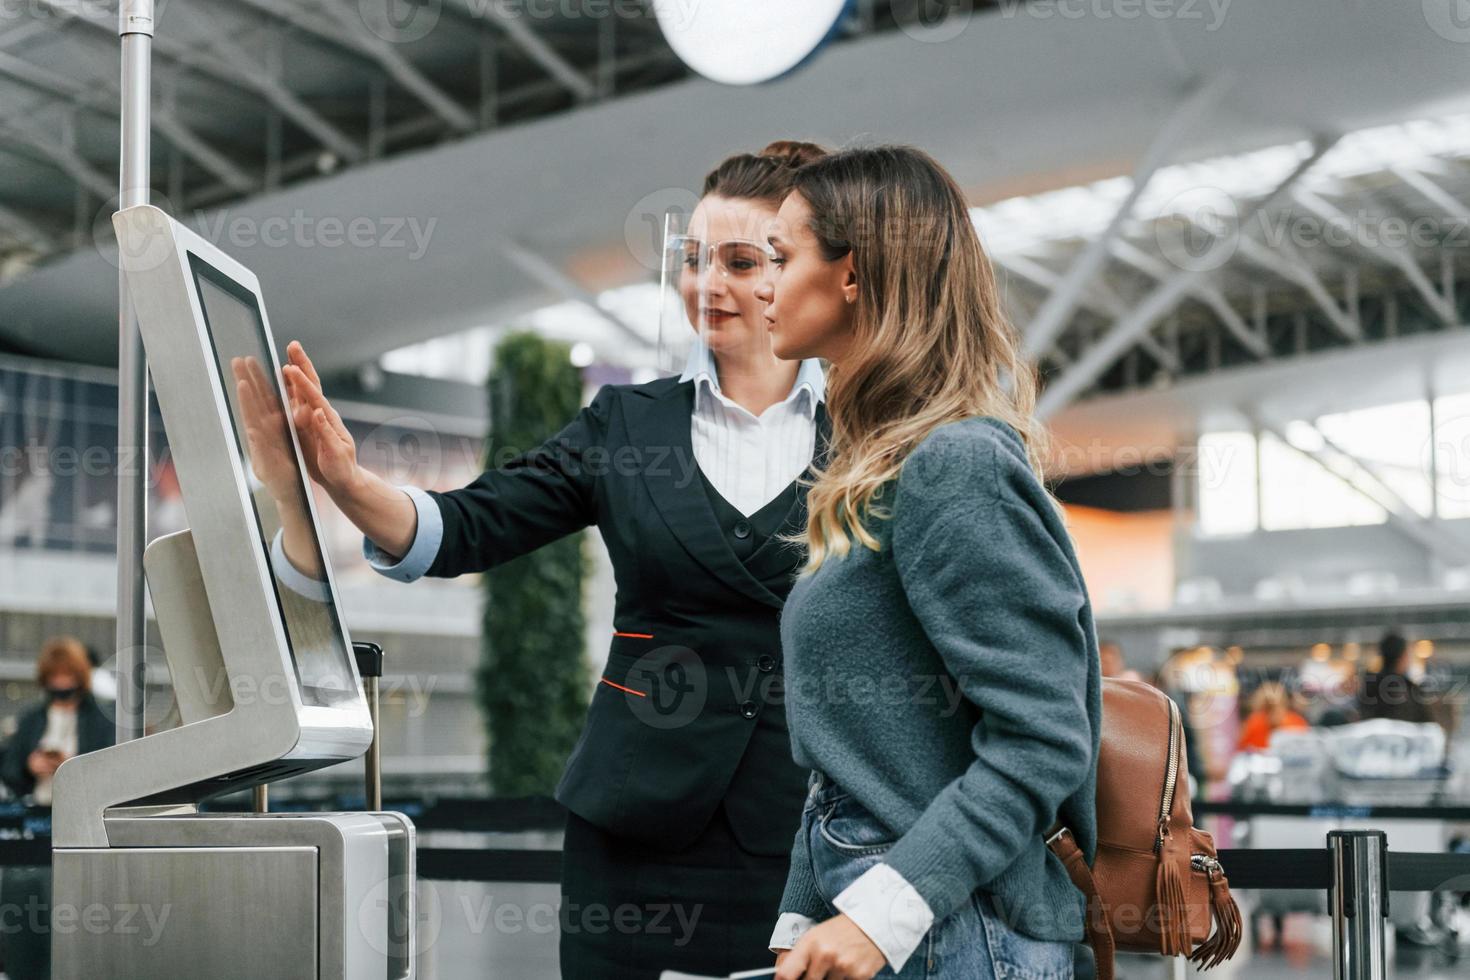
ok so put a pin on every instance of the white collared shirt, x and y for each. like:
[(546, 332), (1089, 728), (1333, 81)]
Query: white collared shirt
[(750, 460)]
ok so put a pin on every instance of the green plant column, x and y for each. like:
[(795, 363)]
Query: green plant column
[(533, 675)]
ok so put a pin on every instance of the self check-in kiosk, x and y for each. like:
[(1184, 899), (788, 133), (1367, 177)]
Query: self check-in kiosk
[(264, 680)]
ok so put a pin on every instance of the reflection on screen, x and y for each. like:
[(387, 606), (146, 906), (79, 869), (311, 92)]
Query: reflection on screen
[(278, 487)]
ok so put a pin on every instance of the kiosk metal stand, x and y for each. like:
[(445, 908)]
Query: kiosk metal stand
[(146, 886), (264, 675)]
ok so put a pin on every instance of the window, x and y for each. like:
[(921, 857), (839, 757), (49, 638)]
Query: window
[(1227, 483), (1350, 468)]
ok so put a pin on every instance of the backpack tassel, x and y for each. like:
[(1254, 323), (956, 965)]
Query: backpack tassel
[(1173, 909), (1226, 939)]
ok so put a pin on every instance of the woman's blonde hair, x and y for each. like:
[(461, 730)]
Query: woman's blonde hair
[(930, 342), (64, 655)]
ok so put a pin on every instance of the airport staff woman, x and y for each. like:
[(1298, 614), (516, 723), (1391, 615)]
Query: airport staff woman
[(681, 790), (942, 600)]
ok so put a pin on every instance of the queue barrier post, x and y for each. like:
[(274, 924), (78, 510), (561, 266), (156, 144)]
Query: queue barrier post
[(1358, 901)]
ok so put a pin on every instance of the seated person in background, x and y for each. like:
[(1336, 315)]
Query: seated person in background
[(1390, 692), (69, 722), (1270, 710)]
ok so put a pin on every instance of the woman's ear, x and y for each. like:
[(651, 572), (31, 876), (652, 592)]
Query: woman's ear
[(849, 279)]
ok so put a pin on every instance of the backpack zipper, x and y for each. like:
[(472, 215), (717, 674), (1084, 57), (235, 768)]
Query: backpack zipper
[(1171, 776), (1206, 864)]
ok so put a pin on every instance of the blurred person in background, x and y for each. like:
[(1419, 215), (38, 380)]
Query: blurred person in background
[(1271, 711), (696, 816), (67, 723), (1394, 691), (1390, 692)]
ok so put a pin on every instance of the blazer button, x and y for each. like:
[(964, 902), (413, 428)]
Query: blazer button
[(747, 709), (741, 530), (766, 663)]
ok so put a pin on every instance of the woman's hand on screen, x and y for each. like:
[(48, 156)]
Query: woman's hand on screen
[(328, 448), (266, 436)]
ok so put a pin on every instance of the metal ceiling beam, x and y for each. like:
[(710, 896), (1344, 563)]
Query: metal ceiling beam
[(402, 70), (1290, 266), (531, 43), (347, 32), (27, 132), (1095, 298), (1069, 384), (232, 66), (424, 125), (1208, 294), (1123, 334), (26, 232), (290, 12), (546, 273), (45, 80), (1436, 194), (1052, 318), (192, 144), (41, 78), (254, 75), (1396, 257), (23, 32)]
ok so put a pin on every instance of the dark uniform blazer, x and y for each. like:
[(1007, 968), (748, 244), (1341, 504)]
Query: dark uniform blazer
[(690, 709)]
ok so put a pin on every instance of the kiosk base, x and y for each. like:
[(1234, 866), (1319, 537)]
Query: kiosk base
[(314, 896)]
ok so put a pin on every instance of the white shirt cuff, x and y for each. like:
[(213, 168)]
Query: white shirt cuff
[(421, 553), (789, 928), (889, 910), (294, 578)]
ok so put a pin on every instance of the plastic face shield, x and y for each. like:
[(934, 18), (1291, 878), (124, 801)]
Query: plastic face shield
[(710, 297)]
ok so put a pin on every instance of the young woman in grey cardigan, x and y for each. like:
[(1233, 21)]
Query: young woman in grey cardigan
[(942, 672)]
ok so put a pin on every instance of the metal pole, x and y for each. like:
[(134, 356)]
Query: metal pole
[(1359, 903), (374, 763), (135, 26), (369, 657)]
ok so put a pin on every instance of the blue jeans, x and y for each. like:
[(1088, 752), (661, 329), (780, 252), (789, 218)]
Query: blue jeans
[(972, 943)]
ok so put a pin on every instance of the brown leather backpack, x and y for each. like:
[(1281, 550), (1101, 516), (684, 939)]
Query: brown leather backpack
[(1155, 885)]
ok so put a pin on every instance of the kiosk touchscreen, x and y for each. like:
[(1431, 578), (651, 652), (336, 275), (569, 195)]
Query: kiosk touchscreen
[(241, 350), (263, 675)]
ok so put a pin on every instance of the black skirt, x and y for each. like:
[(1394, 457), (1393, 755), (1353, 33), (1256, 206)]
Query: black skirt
[(631, 910)]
